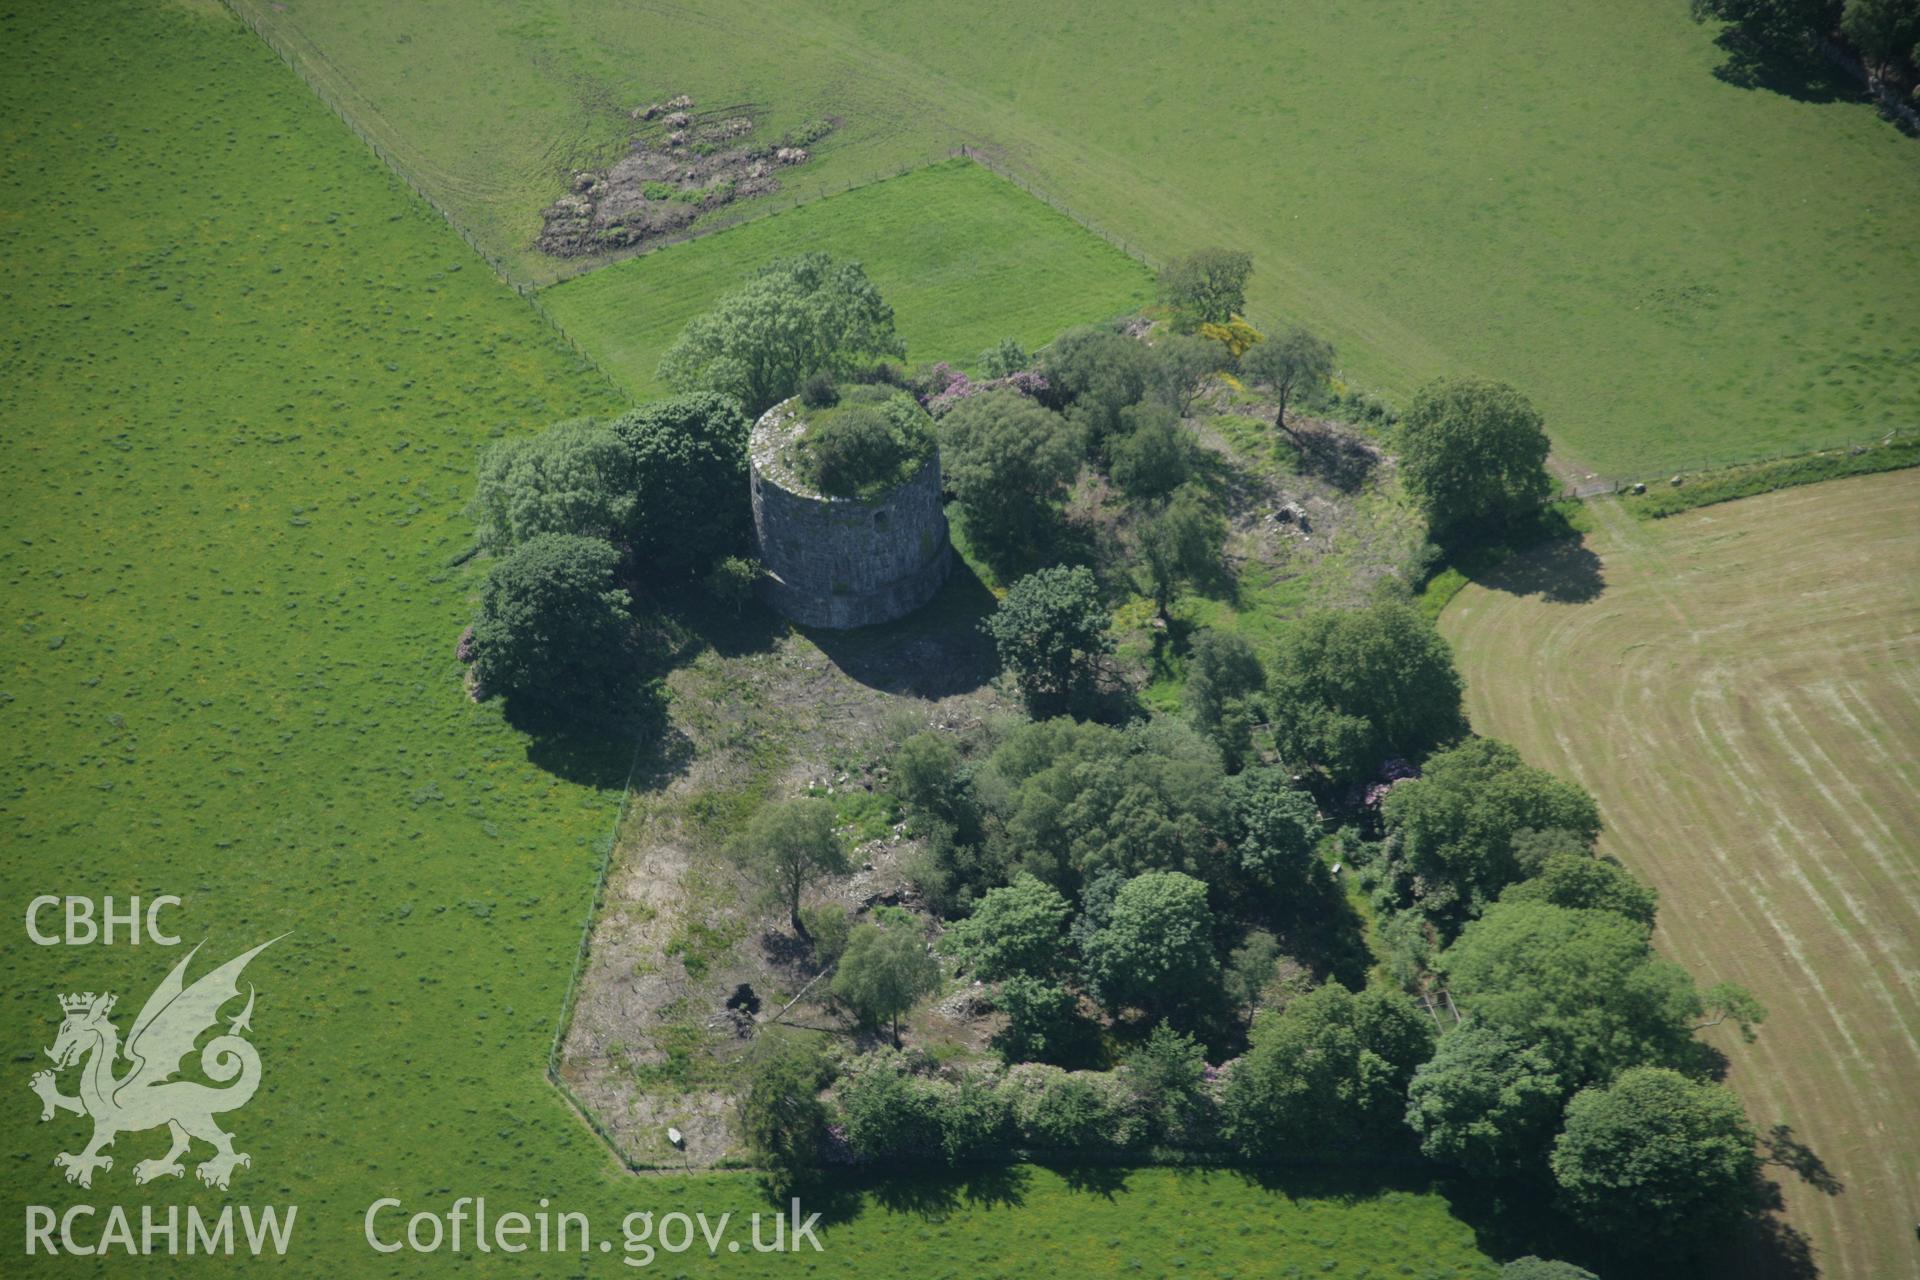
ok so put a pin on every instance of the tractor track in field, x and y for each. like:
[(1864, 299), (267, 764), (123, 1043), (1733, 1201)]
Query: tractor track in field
[(1741, 698)]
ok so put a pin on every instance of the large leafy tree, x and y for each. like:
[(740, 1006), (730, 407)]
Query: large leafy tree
[(1457, 822), (1018, 928), (885, 970), (574, 477), (1884, 31), (794, 317), (1181, 543), (1008, 460), (1050, 632), (1578, 880), (1072, 800), (1271, 829), (790, 845), (1154, 455), (1584, 985), (687, 457), (1656, 1159), (554, 626), (1473, 454), (1044, 1023), (1095, 375), (1224, 682), (1210, 285), (1156, 950), (1485, 1102), (1292, 363), (1353, 687), (1331, 1068), (1168, 1074), (1178, 368)]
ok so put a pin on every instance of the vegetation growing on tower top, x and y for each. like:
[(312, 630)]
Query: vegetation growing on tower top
[(876, 437)]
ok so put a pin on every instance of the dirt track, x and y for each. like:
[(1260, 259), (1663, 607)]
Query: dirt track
[(1740, 688)]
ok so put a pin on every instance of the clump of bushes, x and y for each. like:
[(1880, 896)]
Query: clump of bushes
[(572, 514), (820, 391), (894, 1107), (872, 439)]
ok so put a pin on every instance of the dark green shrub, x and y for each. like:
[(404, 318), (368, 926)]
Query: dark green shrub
[(888, 1113), (820, 391), (780, 1112), (689, 465), (732, 581), (875, 438), (554, 626)]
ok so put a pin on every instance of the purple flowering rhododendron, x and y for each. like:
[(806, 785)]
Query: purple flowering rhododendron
[(948, 386), (1393, 771)]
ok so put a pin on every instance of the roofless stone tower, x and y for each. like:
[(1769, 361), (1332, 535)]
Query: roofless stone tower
[(844, 561)]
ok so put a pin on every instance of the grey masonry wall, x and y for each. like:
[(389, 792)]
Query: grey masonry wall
[(839, 562)]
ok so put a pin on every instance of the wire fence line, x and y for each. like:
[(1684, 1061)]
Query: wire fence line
[(386, 157), (730, 216), (762, 207), (1010, 174), (1600, 485)]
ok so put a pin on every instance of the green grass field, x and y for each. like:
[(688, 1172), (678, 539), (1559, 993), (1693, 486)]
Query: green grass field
[(1740, 696), (965, 259), (248, 376), (1677, 270)]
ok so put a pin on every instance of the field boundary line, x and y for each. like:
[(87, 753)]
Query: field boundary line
[(392, 164), (570, 999), (1600, 486)]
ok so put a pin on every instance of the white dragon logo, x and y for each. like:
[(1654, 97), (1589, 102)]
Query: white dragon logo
[(147, 1095)]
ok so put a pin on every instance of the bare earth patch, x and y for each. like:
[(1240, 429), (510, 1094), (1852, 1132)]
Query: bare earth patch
[(653, 1042)]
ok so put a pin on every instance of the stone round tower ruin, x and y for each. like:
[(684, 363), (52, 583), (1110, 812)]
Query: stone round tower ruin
[(840, 562)]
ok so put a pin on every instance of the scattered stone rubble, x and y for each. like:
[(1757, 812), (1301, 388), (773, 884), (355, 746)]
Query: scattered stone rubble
[(686, 164)]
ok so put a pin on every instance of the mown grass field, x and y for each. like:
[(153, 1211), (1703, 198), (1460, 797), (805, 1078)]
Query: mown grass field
[(248, 375), (1743, 698), (964, 258), (1678, 271)]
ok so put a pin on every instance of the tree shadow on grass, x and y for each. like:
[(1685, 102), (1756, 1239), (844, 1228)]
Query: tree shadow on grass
[(1799, 73), (1563, 570), (935, 652), (1340, 458), (1515, 1217), (594, 747), (1103, 1180), (1767, 1246), (1321, 923), (840, 1197), (1782, 1148)]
